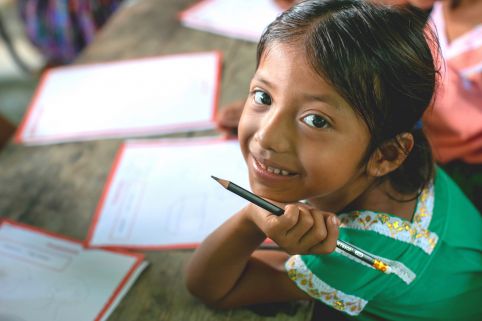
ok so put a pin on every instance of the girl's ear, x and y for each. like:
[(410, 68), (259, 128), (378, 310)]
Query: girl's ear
[(390, 155)]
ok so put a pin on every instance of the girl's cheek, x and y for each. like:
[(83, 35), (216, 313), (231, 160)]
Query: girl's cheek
[(244, 131), (248, 124)]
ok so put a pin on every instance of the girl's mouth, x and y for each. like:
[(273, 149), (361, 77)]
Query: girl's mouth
[(271, 171)]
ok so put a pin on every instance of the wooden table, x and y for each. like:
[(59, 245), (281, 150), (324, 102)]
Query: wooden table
[(57, 187)]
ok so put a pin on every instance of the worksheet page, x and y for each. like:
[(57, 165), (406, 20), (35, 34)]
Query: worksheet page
[(44, 277), (160, 194), (140, 97), (244, 19)]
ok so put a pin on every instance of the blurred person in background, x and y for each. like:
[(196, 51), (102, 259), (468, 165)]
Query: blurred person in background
[(454, 123), (60, 29)]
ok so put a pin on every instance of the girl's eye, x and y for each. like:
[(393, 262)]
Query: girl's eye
[(262, 98), (316, 121)]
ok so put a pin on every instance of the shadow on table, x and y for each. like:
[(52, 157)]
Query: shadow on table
[(273, 309)]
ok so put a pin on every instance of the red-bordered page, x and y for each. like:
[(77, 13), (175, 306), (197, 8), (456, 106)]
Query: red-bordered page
[(160, 194), (245, 19), (45, 276), (141, 97)]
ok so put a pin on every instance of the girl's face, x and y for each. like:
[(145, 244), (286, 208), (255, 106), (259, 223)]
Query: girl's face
[(299, 137)]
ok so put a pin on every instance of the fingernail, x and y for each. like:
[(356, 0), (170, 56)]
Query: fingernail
[(335, 220)]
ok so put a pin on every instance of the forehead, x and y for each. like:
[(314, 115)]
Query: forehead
[(281, 58), (285, 67)]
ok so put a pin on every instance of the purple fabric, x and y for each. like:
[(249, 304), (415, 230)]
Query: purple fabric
[(60, 29)]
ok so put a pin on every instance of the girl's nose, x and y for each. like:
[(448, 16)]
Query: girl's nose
[(274, 132)]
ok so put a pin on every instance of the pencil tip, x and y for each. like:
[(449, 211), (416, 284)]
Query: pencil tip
[(223, 182)]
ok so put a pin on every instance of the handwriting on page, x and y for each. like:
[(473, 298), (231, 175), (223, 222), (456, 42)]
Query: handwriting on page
[(162, 194), (128, 194), (35, 255), (45, 277)]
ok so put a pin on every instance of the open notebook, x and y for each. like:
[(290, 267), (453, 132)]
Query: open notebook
[(243, 19), (160, 194), (46, 277), (138, 97)]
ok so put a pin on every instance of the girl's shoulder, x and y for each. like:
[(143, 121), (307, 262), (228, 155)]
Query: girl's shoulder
[(423, 245), (348, 284), (441, 209)]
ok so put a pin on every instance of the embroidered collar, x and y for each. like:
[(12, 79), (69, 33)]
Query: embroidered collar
[(415, 232), (318, 289)]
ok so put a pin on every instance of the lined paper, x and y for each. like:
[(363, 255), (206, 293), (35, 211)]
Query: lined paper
[(44, 277), (160, 194)]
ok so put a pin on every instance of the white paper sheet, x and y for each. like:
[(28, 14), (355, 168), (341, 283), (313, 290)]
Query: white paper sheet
[(129, 98), (161, 194), (243, 19), (49, 278)]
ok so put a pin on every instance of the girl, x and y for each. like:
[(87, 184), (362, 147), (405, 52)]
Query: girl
[(454, 123), (330, 119)]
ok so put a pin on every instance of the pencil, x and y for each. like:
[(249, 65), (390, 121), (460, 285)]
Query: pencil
[(270, 207)]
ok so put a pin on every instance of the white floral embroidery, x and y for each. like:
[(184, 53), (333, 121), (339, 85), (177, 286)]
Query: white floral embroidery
[(316, 288), (424, 211), (415, 233), (397, 268)]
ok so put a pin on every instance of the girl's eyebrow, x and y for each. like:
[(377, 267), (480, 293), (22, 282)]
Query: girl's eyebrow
[(263, 80), (324, 98)]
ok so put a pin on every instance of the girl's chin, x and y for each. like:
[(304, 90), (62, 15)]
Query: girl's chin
[(273, 194)]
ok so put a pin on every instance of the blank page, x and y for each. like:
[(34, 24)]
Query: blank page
[(130, 98), (243, 19)]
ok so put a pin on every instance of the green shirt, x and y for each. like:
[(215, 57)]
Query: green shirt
[(442, 245)]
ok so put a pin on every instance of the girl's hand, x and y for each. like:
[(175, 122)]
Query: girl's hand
[(302, 229), (286, 4), (227, 118)]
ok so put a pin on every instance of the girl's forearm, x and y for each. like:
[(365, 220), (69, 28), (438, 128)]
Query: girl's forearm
[(220, 260)]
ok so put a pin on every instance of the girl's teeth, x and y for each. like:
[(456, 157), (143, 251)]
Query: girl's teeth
[(277, 171), (273, 170)]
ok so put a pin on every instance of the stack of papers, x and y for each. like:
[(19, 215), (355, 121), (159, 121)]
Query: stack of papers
[(244, 19), (140, 97), (160, 194), (45, 277)]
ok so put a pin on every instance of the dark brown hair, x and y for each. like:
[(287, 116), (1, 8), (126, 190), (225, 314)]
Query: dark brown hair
[(378, 59)]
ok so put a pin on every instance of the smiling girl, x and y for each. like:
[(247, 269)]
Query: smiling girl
[(330, 120)]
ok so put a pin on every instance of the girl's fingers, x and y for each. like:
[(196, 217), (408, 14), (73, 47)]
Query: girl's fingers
[(317, 233), (273, 225), (300, 229), (289, 219), (329, 244), (304, 224)]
